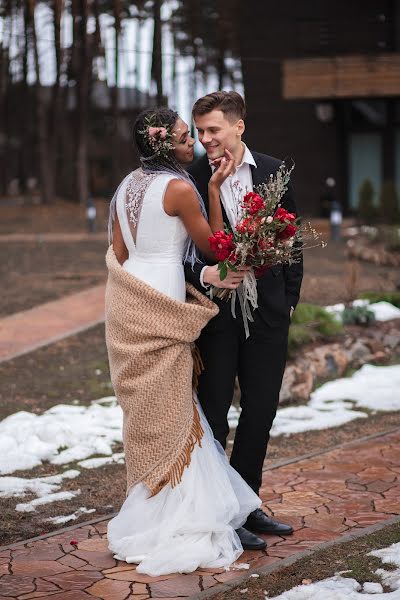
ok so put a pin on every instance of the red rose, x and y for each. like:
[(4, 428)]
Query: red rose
[(283, 215), (221, 244), (264, 244), (253, 203), (248, 225), (288, 232)]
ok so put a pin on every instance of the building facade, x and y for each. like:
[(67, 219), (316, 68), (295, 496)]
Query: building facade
[(322, 85)]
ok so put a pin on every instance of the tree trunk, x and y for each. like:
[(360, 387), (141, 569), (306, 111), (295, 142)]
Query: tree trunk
[(114, 95), (156, 67), (81, 69), (45, 164), (57, 105)]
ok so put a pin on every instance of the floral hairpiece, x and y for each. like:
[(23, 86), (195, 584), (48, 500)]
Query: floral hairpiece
[(158, 137)]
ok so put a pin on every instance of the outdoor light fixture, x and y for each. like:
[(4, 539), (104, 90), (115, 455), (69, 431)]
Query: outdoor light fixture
[(324, 112)]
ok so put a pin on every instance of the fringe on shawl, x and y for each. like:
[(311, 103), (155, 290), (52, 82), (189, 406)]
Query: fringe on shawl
[(174, 477)]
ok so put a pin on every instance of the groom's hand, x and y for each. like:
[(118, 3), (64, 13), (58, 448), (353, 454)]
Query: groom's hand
[(233, 279)]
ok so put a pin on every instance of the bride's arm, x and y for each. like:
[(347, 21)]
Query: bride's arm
[(181, 200), (121, 251)]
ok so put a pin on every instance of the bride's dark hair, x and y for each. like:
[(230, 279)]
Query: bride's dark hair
[(151, 161)]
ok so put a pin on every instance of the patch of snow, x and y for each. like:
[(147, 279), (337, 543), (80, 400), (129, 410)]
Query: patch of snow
[(342, 588), (64, 519), (383, 311), (334, 403), (47, 499), (41, 486), (370, 587), (94, 463), (63, 434)]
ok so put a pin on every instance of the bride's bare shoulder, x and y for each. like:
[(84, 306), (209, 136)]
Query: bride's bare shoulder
[(179, 186)]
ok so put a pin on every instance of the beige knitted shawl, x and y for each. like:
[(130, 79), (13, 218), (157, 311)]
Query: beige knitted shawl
[(149, 341)]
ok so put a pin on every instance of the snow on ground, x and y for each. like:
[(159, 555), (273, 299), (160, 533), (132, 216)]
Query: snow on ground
[(383, 311), (343, 588), (46, 499), (64, 519), (335, 403), (61, 435), (94, 463), (41, 486)]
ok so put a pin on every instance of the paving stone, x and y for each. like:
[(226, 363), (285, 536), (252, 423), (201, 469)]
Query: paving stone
[(12, 585), (94, 545), (121, 567), (45, 586), (75, 580), (72, 561), (388, 505), (102, 526), (34, 595), (325, 522), (100, 560), (393, 491), (186, 585), (379, 486), (39, 568), (228, 576), (309, 534), (108, 589), (48, 552), (74, 595), (208, 581), (287, 550), (364, 520), (264, 561)]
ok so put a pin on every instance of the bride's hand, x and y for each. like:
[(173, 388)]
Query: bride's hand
[(224, 167)]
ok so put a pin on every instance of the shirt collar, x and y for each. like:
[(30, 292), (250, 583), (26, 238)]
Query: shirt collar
[(248, 158)]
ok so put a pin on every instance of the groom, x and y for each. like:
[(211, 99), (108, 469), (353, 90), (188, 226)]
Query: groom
[(258, 361)]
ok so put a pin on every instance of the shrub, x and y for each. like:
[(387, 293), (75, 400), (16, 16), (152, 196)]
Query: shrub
[(358, 315), (309, 323), (391, 297), (388, 203), (366, 208)]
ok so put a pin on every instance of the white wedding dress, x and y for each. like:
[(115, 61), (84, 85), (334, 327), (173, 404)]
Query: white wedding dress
[(192, 525)]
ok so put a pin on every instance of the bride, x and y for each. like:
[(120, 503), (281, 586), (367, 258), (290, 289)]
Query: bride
[(184, 501)]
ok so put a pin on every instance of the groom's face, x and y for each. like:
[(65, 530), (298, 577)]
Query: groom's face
[(217, 133)]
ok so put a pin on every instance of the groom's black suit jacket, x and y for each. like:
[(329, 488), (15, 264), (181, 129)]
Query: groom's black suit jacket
[(279, 287)]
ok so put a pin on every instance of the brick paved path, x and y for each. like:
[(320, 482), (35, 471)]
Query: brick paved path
[(348, 488), (30, 329)]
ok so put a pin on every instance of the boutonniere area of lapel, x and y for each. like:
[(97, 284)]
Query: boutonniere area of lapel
[(265, 235)]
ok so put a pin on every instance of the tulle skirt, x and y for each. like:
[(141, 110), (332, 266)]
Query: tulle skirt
[(190, 526)]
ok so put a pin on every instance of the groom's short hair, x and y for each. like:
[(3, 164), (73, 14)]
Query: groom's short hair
[(229, 103)]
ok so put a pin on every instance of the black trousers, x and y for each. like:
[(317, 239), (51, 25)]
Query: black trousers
[(259, 363)]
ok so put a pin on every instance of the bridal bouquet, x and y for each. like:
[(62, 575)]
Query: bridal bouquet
[(265, 235)]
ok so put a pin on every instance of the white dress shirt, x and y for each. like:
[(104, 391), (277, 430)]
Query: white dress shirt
[(233, 190)]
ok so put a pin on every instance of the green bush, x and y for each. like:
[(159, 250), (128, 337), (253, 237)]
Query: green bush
[(389, 235), (391, 297), (310, 322), (366, 208), (358, 315), (388, 203)]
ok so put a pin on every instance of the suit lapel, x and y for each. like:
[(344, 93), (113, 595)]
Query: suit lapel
[(258, 174)]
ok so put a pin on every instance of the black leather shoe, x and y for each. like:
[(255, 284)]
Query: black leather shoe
[(259, 522), (249, 540)]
